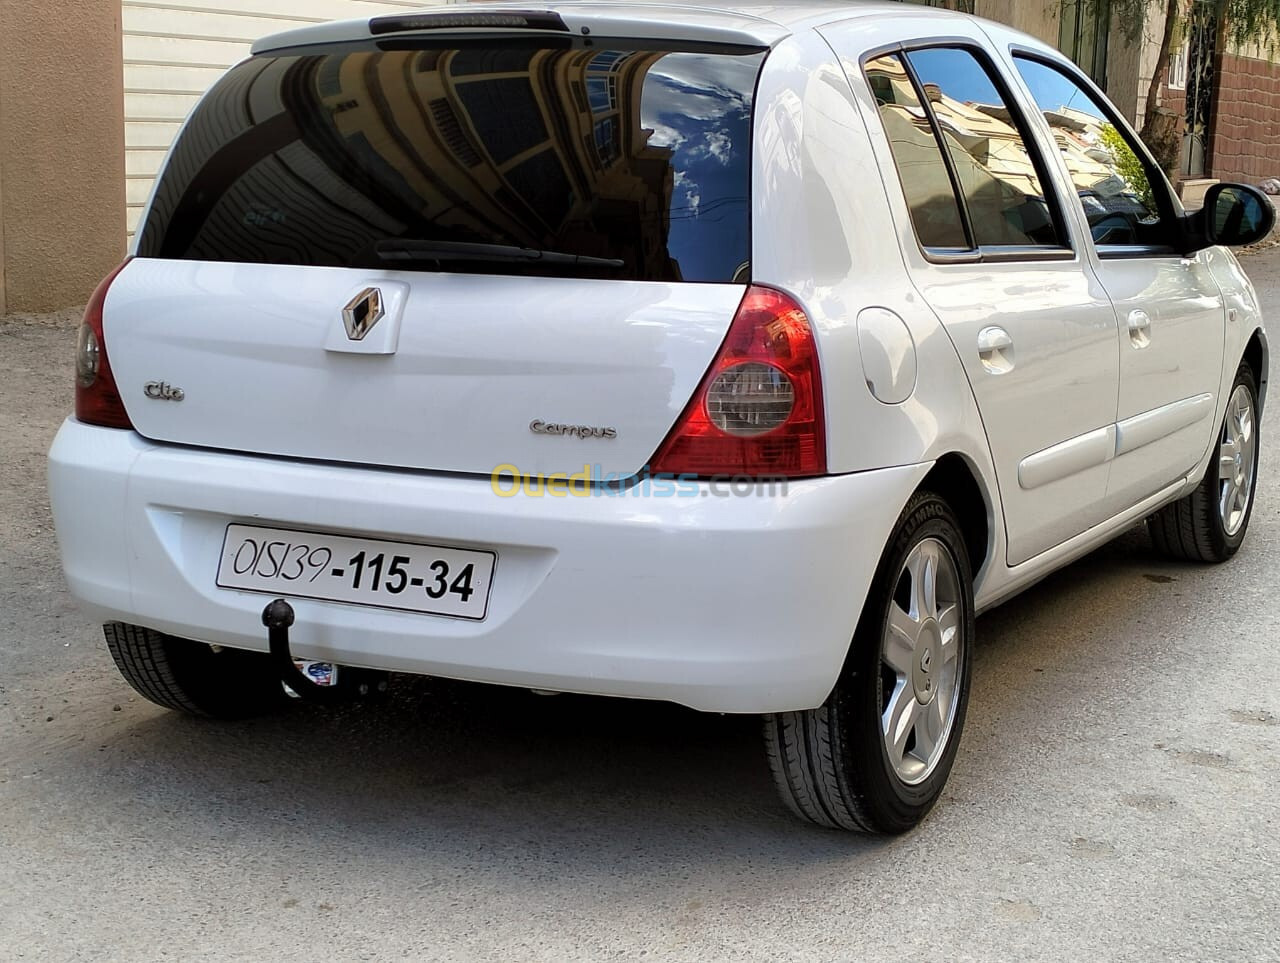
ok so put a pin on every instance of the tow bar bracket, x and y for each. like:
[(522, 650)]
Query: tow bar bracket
[(278, 616)]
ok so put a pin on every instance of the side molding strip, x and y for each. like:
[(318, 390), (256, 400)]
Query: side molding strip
[(1150, 426), (1068, 458), (1102, 445)]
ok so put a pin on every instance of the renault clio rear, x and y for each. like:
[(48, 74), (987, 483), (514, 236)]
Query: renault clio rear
[(443, 334)]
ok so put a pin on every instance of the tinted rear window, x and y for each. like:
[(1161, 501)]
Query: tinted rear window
[(611, 151)]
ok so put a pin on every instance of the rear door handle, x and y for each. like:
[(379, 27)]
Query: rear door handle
[(995, 348), (1139, 329)]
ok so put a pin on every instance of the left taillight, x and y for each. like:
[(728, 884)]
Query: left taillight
[(97, 398)]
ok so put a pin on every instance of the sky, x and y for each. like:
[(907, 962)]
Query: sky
[(699, 106), (961, 76)]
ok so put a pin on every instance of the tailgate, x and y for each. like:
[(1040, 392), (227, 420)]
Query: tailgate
[(539, 244), (264, 364)]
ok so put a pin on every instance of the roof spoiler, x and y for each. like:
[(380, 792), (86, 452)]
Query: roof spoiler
[(641, 22)]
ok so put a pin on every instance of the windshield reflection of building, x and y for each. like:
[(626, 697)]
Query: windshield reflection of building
[(543, 148)]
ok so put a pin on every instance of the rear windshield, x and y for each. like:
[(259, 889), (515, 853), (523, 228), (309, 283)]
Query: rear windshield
[(610, 160)]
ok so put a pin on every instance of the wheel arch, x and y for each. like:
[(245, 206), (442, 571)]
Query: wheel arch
[(1257, 356), (959, 483)]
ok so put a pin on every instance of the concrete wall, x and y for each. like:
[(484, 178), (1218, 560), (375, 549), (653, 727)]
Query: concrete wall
[(1124, 85), (1036, 17), (61, 151)]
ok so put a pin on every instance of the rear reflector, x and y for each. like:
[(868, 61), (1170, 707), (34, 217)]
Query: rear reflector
[(758, 411), (97, 399)]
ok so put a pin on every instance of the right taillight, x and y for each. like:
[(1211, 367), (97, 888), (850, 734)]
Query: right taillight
[(759, 409), (97, 399)]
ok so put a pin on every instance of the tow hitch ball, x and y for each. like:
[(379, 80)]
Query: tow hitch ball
[(278, 616)]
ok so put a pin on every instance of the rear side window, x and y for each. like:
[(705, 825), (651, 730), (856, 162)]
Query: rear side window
[(970, 178), (614, 160), (935, 210)]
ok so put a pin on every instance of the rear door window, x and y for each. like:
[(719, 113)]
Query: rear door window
[(972, 181), (926, 182), (998, 174), (614, 160)]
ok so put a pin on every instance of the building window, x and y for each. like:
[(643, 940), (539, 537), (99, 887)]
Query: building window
[(607, 146), (602, 80), (602, 94), (1082, 36), (1178, 69)]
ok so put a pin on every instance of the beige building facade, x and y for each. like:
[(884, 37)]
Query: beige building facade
[(92, 93), (61, 151)]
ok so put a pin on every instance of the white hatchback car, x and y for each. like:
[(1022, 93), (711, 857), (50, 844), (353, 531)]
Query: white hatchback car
[(734, 357)]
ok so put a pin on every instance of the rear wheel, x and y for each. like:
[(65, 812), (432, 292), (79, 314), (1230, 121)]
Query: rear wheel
[(876, 755), (192, 677), (1209, 524)]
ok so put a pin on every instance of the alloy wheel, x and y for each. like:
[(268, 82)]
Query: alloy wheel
[(1236, 455), (921, 661)]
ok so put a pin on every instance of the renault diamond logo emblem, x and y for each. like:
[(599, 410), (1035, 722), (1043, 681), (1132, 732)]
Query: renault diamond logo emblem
[(364, 311)]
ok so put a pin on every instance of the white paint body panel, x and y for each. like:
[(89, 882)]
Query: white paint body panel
[(645, 597), (477, 359), (1181, 361), (626, 596)]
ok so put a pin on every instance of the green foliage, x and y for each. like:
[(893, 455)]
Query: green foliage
[(1128, 166), (1129, 15), (1246, 21), (1251, 21)]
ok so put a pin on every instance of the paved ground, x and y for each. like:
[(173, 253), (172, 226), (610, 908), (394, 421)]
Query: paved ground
[(1115, 795)]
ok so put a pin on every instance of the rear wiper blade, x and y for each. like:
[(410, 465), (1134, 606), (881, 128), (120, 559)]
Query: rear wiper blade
[(414, 250)]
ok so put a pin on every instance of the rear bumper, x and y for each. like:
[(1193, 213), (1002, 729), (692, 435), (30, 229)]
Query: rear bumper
[(722, 603)]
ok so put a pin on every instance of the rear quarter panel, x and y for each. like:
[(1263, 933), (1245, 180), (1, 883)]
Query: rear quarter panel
[(823, 229)]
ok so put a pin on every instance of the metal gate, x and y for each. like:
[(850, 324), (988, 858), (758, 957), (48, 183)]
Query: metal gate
[(1202, 39)]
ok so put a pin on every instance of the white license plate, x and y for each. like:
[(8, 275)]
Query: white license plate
[(361, 571)]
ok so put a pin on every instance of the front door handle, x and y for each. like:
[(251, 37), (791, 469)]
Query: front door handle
[(995, 348), (1139, 329)]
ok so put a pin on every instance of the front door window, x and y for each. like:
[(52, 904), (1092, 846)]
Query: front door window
[(1124, 196)]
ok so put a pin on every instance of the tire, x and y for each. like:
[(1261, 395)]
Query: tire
[(193, 677), (1197, 528), (832, 765)]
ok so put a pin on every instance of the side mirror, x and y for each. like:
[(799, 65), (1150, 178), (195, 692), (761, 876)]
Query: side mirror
[(1235, 215)]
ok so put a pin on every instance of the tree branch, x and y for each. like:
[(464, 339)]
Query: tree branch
[(1173, 10)]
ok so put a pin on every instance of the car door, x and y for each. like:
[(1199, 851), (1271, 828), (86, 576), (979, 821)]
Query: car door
[(1170, 311), (995, 259)]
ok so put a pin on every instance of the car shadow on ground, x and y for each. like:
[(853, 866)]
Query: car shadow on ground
[(450, 769)]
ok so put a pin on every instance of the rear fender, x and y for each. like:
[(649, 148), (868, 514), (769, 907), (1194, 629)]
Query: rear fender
[(824, 231)]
